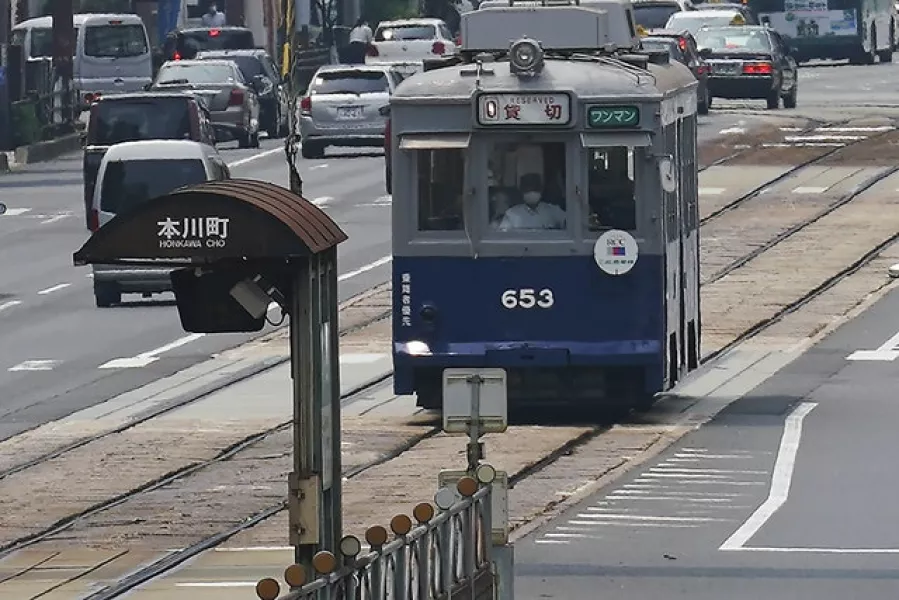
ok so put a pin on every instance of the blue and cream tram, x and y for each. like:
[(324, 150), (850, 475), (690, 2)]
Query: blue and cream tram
[(545, 210)]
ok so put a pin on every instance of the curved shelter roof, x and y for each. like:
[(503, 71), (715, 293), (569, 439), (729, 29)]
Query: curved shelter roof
[(235, 219)]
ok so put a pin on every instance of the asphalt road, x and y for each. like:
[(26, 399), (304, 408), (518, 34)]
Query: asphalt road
[(790, 493), (53, 339)]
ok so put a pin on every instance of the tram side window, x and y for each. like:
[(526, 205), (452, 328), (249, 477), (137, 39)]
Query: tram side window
[(527, 186), (441, 176), (613, 204)]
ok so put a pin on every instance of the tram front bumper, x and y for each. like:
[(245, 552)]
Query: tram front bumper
[(741, 86)]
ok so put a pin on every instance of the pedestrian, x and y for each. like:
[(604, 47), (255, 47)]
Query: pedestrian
[(360, 37), (213, 18)]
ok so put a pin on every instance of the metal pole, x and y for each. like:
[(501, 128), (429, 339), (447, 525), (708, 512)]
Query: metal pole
[(5, 100), (63, 53), (475, 449), (504, 560)]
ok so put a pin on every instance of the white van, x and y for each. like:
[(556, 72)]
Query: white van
[(112, 52), (131, 174)]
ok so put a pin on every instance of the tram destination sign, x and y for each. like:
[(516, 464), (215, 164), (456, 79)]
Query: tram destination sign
[(539, 108), (613, 117)]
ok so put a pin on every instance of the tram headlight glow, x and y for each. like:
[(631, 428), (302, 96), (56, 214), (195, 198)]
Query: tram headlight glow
[(525, 56)]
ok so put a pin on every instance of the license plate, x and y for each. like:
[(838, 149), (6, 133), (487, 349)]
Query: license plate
[(726, 68), (349, 113)]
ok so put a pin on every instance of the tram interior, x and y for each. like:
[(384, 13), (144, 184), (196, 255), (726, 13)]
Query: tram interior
[(526, 187)]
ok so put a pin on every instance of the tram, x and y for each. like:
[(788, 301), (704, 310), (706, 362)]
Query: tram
[(545, 216)]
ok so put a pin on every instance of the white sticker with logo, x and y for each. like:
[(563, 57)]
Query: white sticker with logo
[(616, 252), (193, 232)]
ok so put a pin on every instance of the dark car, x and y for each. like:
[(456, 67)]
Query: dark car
[(653, 14), (186, 43), (681, 46), (136, 117), (257, 65), (750, 62)]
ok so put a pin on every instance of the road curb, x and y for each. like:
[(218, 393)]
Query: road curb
[(39, 152)]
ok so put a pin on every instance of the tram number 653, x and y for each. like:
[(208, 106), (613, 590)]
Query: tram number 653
[(528, 298)]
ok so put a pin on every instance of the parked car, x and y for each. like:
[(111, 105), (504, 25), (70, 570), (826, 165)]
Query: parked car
[(411, 41), (342, 107), (749, 15), (681, 46), (751, 62), (695, 20), (232, 101), (257, 65), (131, 174), (653, 14), (135, 117), (184, 44)]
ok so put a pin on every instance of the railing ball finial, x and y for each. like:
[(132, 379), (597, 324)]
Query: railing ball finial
[(350, 546), (467, 486), (268, 589), (445, 498), (401, 525), (324, 562), (376, 536), (295, 576), (423, 513)]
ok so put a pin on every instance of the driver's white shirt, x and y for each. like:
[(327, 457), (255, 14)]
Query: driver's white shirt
[(361, 34), (216, 19), (543, 216)]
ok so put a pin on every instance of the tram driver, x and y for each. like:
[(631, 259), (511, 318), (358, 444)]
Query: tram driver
[(534, 212), (611, 191)]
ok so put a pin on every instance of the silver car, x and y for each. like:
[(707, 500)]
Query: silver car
[(233, 103), (343, 107)]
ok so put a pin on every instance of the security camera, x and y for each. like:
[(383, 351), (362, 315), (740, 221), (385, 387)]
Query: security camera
[(252, 298)]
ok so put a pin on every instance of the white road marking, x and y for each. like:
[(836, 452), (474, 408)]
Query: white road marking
[(55, 288), (322, 200), (676, 469), (701, 481), (888, 351), (823, 138), (365, 268), (257, 549), (629, 524), (16, 212), (216, 584), (565, 535), (316, 167), (145, 358), (711, 191), (35, 365), (809, 190), (249, 159), (781, 479), (54, 219), (855, 129), (9, 304), (550, 542), (732, 131), (644, 518)]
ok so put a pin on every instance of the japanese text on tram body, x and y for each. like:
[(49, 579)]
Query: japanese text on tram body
[(545, 222)]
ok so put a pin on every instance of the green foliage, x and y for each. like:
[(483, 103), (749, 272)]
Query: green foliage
[(26, 126)]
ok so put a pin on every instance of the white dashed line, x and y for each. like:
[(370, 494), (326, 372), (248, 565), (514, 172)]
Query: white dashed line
[(54, 219), (16, 212), (145, 358), (54, 288), (249, 159), (35, 365), (365, 268), (9, 304)]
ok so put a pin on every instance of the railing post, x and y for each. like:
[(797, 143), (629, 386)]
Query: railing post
[(376, 537), (423, 513), (401, 525)]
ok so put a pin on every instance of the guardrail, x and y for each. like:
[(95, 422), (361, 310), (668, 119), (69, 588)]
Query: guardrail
[(442, 556), (39, 111)]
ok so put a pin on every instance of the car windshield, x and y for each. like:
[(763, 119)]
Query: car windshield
[(129, 183), (117, 121), (195, 73), (727, 39), (661, 44), (687, 20), (115, 41), (349, 82), (249, 66), (405, 32), (654, 16), (217, 39), (42, 42)]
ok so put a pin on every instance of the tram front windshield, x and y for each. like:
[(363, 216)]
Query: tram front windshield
[(527, 188)]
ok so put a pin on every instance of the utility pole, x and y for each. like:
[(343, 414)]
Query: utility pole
[(5, 100), (63, 53)]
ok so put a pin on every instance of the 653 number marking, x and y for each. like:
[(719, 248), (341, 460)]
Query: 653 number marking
[(528, 298)]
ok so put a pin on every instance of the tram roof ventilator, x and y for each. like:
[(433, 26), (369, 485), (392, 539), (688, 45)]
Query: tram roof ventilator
[(575, 29)]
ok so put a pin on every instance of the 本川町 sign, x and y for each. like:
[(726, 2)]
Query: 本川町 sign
[(193, 232), (524, 109)]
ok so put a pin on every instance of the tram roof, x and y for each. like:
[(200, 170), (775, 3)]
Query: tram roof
[(586, 79)]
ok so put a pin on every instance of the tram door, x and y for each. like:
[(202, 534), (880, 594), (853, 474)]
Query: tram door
[(675, 308), (682, 290)]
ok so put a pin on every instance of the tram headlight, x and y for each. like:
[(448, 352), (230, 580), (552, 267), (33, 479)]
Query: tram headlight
[(525, 57)]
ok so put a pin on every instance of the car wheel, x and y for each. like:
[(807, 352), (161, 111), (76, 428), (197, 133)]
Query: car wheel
[(244, 140), (702, 107), (254, 140), (312, 150), (790, 99), (106, 294), (773, 100), (274, 128)]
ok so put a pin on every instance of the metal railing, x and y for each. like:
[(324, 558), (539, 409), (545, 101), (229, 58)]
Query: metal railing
[(435, 559), (39, 108)]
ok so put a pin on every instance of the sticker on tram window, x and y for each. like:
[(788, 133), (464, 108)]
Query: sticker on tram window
[(613, 117), (528, 298), (524, 109)]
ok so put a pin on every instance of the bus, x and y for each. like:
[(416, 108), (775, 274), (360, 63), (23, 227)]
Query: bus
[(859, 30)]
